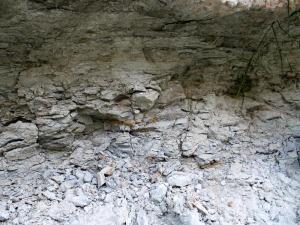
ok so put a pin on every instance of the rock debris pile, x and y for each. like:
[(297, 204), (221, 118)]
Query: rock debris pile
[(126, 113), (212, 166)]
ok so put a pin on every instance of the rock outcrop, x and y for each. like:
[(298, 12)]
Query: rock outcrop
[(149, 112)]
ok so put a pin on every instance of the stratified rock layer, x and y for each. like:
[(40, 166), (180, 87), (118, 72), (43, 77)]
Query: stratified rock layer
[(149, 112)]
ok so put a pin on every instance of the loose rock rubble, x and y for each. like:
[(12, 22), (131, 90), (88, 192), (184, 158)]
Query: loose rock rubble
[(121, 112), (248, 179)]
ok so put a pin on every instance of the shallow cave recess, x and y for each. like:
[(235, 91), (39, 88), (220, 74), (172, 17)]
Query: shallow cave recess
[(149, 112)]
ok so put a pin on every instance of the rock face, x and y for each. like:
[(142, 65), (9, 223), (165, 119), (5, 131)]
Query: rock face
[(18, 135), (149, 112)]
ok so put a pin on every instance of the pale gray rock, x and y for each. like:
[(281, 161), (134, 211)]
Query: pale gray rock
[(292, 96), (18, 135), (77, 197), (120, 112), (109, 95), (291, 145), (101, 141), (223, 182), (109, 198), (205, 159), (200, 207), (159, 192), (80, 70), (122, 145), (100, 179), (82, 153), (67, 185), (145, 100), (52, 185), (267, 186), (293, 126), (61, 109), (227, 120), (273, 98), (50, 195), (198, 186), (170, 166), (4, 215), (94, 181), (214, 217), (56, 134), (79, 174), (87, 177), (110, 215), (22, 153), (190, 217), (191, 141), (2, 164), (174, 92), (142, 218), (178, 201), (269, 114), (4, 212), (58, 178), (61, 211), (180, 179)]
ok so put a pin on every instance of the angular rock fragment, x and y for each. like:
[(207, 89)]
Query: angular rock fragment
[(83, 152), (108, 170), (190, 218), (180, 179), (100, 179), (4, 215), (87, 177), (191, 141), (50, 195), (77, 197), (142, 218), (61, 211), (159, 192), (170, 166), (207, 160), (122, 145), (200, 207), (58, 178), (144, 100)]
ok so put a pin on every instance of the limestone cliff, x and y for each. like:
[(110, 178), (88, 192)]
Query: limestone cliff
[(148, 80)]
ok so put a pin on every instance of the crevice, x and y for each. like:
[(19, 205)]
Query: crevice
[(10, 141), (19, 118)]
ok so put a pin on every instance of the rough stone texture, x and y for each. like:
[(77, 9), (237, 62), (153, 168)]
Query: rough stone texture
[(180, 179), (4, 215), (126, 112), (18, 135)]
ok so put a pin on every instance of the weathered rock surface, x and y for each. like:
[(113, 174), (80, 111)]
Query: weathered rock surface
[(4, 215), (138, 112), (18, 135), (180, 179)]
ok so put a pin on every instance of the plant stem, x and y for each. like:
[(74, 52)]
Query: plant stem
[(279, 50), (244, 75)]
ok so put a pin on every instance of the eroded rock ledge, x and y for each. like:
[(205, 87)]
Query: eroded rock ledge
[(140, 109)]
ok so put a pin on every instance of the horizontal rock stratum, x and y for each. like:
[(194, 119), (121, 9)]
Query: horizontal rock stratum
[(149, 112)]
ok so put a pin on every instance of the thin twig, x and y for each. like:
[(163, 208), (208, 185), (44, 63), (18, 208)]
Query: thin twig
[(279, 49)]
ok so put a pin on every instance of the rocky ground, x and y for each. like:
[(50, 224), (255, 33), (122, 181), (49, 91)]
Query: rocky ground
[(141, 113), (212, 166)]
